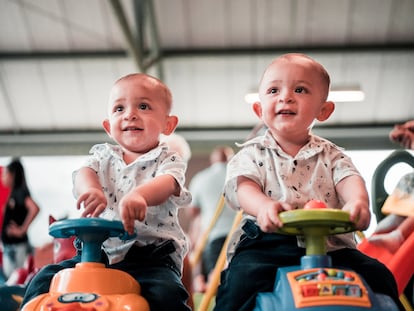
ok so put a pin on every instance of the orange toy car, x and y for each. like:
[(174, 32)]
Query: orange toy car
[(90, 286)]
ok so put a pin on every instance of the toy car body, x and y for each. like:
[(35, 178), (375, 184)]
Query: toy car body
[(90, 286), (315, 284)]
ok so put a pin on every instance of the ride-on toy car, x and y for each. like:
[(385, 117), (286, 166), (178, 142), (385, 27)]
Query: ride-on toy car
[(90, 286), (316, 284)]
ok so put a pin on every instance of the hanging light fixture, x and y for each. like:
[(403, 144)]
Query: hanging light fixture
[(337, 94), (341, 94)]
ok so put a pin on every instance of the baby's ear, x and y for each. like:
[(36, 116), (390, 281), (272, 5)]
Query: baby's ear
[(107, 126), (170, 125), (326, 111), (257, 108)]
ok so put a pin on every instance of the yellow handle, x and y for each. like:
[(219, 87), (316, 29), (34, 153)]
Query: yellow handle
[(195, 258), (214, 279)]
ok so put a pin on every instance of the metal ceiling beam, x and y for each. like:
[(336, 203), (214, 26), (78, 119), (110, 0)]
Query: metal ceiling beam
[(177, 52), (200, 139), (46, 55), (330, 49), (145, 51), (147, 35), (132, 44)]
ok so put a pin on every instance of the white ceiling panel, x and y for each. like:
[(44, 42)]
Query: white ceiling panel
[(26, 92), (393, 90), (59, 58), (402, 23), (7, 117), (13, 29), (45, 17), (97, 77), (65, 93)]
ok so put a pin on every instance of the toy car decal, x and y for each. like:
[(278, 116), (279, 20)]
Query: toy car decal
[(77, 297)]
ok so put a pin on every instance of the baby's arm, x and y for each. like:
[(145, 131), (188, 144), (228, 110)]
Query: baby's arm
[(254, 202), (353, 193), (89, 192), (155, 192)]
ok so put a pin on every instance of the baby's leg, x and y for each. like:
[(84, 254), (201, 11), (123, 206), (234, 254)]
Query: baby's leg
[(161, 286), (389, 223), (241, 282), (376, 274), (253, 270), (41, 281)]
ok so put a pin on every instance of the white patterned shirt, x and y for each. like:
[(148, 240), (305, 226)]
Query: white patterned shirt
[(117, 179), (312, 174)]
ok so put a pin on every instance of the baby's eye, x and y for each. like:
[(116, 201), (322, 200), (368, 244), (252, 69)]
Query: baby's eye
[(143, 106), (118, 108), (300, 90), (273, 90)]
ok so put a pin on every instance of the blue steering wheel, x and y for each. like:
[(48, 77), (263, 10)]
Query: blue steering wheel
[(92, 232)]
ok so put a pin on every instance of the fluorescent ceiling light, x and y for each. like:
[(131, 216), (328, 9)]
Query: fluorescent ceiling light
[(341, 96), (337, 95), (251, 98)]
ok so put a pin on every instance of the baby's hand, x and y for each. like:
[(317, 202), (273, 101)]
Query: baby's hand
[(132, 206), (268, 218), (94, 202), (359, 213)]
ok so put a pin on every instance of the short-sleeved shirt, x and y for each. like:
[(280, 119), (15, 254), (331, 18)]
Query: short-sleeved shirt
[(312, 174), (117, 179)]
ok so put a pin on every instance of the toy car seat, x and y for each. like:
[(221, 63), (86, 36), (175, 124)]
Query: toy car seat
[(399, 263), (378, 192)]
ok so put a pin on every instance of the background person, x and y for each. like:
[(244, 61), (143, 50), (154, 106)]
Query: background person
[(206, 188), (19, 212)]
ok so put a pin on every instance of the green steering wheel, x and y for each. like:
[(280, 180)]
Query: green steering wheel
[(315, 225)]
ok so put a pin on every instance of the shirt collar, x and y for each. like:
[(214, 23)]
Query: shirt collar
[(151, 155), (314, 146)]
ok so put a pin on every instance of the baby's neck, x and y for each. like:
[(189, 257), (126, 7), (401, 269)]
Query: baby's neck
[(291, 150), (130, 157), (292, 147)]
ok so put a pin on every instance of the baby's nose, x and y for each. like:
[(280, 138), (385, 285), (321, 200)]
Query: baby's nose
[(285, 96), (130, 115)]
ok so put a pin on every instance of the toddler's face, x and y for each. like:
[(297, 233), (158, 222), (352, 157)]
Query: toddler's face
[(292, 95), (138, 114)]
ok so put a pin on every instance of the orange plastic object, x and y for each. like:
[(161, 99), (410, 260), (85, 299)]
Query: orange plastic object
[(399, 203), (401, 263), (330, 290), (90, 287), (314, 204)]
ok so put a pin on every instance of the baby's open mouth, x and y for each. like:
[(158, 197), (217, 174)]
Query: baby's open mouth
[(289, 112), (132, 128)]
